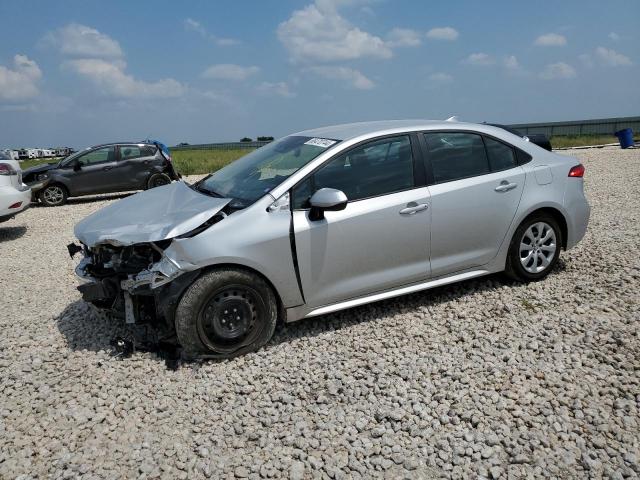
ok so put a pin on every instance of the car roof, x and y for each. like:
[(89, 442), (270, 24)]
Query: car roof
[(348, 131), (113, 144)]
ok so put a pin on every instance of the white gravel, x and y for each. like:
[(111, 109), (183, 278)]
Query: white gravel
[(486, 378)]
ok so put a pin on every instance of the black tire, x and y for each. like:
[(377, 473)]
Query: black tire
[(157, 180), (53, 195), (225, 313), (514, 267)]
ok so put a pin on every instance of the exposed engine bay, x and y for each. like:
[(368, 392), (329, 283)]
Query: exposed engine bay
[(134, 282)]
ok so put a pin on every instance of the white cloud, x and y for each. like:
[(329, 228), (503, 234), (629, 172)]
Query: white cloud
[(440, 77), (110, 78), (280, 89), (192, 25), (550, 40), (79, 40), (614, 36), (558, 70), (479, 59), (318, 33), (586, 60), (102, 63), (229, 71), (443, 33), (511, 63), (354, 77), (403, 37), (20, 82), (611, 58)]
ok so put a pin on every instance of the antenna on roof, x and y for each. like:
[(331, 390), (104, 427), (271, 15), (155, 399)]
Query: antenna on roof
[(452, 119)]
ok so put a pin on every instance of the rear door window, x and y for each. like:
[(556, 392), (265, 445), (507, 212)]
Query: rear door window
[(456, 155), (501, 155), (129, 151)]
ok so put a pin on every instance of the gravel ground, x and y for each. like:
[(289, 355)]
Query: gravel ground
[(482, 379)]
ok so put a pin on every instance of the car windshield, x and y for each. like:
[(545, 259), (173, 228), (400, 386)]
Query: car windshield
[(254, 175), (4, 156)]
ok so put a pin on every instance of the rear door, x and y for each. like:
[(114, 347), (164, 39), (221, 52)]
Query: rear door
[(476, 190), (380, 240), (136, 164)]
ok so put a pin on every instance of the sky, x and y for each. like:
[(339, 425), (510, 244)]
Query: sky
[(82, 72)]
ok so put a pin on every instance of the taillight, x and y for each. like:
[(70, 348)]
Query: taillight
[(6, 169), (577, 171), (16, 205)]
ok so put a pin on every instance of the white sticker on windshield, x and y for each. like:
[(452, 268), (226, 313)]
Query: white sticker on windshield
[(320, 142)]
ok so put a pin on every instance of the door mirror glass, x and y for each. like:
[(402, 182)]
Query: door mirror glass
[(326, 199)]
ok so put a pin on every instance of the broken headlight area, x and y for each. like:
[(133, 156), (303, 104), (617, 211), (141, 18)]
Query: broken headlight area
[(129, 282)]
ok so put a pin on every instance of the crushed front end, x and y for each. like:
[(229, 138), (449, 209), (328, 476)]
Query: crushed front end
[(136, 283)]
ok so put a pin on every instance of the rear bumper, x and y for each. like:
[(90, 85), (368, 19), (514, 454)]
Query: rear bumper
[(9, 196), (578, 212)]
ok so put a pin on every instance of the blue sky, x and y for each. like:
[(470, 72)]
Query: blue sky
[(80, 72)]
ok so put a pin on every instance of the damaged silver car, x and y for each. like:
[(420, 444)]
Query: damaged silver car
[(325, 220)]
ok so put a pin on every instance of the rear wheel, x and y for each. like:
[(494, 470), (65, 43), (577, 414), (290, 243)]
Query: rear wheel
[(226, 313), (158, 179), (535, 248), (53, 195)]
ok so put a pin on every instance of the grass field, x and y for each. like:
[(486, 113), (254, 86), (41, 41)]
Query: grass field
[(581, 140), (194, 162)]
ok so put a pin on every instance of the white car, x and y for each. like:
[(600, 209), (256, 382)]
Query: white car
[(15, 196)]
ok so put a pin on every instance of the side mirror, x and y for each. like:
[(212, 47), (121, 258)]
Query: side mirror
[(76, 165), (326, 199)]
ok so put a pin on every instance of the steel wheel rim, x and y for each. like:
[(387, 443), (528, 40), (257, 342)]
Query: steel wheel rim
[(230, 318), (53, 194), (537, 247)]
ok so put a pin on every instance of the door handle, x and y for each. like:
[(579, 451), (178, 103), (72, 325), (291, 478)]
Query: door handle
[(107, 168), (412, 208), (505, 186)]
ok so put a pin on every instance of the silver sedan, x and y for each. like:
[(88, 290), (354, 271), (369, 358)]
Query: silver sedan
[(327, 219)]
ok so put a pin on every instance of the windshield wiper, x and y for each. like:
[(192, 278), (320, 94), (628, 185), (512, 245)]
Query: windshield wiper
[(206, 191)]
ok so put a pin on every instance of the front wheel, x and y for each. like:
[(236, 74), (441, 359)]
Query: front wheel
[(534, 249), (53, 195), (225, 313)]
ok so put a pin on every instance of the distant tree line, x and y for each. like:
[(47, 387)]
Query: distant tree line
[(259, 139)]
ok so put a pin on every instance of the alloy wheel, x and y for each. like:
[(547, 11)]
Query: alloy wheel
[(538, 247), (53, 195)]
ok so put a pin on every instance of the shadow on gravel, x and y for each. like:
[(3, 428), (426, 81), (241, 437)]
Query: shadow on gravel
[(12, 233), (88, 199), (85, 329), (388, 308)]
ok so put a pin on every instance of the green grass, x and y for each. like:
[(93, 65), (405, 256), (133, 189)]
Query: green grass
[(581, 140), (195, 162), (24, 164)]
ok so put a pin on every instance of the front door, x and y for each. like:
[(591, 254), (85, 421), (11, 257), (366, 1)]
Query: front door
[(379, 241), (476, 192), (97, 172)]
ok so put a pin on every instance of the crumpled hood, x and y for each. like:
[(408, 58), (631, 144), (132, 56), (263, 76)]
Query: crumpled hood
[(157, 214), (39, 169)]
